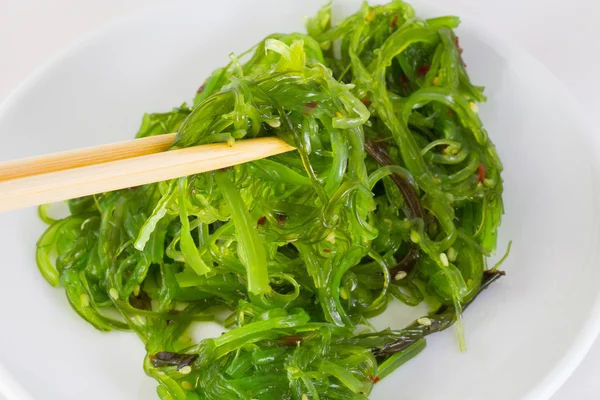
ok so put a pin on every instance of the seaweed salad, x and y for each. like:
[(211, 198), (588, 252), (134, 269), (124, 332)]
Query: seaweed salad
[(394, 194)]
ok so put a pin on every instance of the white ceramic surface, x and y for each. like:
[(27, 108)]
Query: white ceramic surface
[(525, 334)]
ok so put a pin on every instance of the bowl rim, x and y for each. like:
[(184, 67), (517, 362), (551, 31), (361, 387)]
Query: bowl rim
[(582, 342)]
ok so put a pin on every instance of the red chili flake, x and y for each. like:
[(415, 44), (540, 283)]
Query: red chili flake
[(403, 80), (261, 221), (457, 42), (460, 50), (450, 112), (481, 173), (309, 108), (292, 339), (394, 23), (365, 102), (326, 251), (201, 88), (374, 380), (423, 70), (281, 218)]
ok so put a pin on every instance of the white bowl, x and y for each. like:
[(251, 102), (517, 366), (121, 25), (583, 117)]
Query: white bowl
[(525, 334)]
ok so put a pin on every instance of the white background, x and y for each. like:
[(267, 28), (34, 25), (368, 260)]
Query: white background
[(561, 34)]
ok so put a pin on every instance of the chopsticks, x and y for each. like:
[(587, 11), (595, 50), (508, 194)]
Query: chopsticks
[(78, 173)]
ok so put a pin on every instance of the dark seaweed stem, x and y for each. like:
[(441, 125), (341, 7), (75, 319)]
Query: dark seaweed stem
[(378, 153), (441, 320), (408, 262), (142, 301), (166, 358)]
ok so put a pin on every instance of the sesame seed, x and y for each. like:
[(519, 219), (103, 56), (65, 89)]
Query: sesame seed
[(273, 123), (304, 396), (424, 321), (114, 293), (339, 115), (230, 141), (451, 149), (185, 339), (469, 282), (84, 299), (452, 254), (436, 81), (474, 107), (415, 237), (186, 370), (444, 259), (187, 385), (136, 291), (331, 237), (400, 275), (343, 293), (369, 19)]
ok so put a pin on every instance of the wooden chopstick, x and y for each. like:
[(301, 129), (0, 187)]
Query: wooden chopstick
[(78, 173), (86, 156)]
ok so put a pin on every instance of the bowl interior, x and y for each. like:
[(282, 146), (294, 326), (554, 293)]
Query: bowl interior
[(524, 334)]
